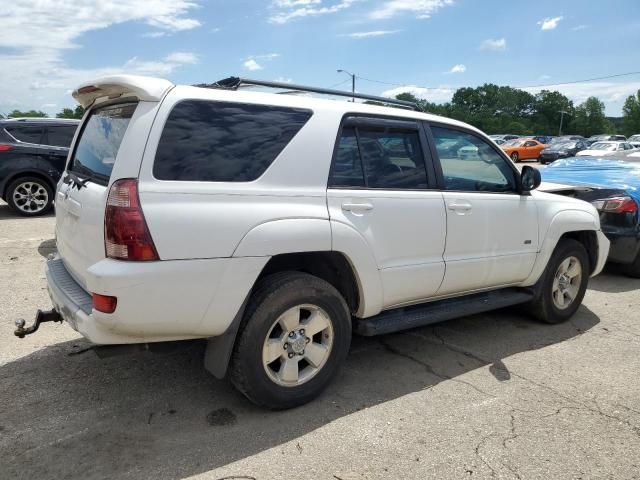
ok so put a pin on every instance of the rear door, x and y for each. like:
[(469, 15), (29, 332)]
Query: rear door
[(81, 196), (57, 140), (379, 186), (492, 230)]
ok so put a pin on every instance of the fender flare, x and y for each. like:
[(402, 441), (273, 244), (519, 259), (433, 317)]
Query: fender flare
[(563, 222)]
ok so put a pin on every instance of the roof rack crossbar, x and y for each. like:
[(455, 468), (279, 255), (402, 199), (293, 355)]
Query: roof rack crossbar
[(233, 83)]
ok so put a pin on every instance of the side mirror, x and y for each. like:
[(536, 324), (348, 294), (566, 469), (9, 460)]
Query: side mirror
[(530, 178)]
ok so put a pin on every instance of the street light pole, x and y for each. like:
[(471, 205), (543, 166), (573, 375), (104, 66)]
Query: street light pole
[(562, 113), (353, 84)]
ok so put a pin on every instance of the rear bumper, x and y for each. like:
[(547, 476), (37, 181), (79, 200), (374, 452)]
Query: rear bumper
[(157, 301), (625, 245)]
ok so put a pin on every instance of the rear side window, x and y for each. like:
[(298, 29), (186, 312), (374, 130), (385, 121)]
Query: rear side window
[(96, 150), (375, 157), (60, 136), (26, 133), (224, 142)]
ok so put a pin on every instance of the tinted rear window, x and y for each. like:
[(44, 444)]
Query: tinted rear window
[(60, 135), (224, 142), (96, 151), (25, 133)]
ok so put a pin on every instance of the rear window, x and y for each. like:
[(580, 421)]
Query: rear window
[(26, 133), (96, 151), (224, 142), (60, 135)]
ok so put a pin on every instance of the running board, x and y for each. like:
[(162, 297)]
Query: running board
[(438, 311)]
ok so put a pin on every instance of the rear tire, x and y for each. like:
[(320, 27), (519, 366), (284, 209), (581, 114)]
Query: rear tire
[(30, 196), (514, 157), (563, 283), (294, 337)]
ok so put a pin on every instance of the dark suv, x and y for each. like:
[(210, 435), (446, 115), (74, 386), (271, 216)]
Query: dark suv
[(33, 152)]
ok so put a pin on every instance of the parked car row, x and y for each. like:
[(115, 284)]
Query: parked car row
[(33, 153)]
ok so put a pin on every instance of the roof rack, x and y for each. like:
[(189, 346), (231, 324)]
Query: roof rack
[(234, 83)]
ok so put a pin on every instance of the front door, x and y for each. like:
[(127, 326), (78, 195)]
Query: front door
[(379, 187), (492, 231)]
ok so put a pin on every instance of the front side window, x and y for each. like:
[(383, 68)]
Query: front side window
[(210, 141), (471, 164), (96, 150), (26, 133), (379, 157)]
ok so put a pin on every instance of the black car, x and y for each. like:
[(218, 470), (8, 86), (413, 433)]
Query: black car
[(33, 152), (565, 149)]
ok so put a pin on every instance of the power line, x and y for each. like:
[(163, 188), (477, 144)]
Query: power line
[(528, 86), (582, 81), (340, 83)]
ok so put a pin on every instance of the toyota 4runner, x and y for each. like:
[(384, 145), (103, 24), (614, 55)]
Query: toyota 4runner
[(276, 225)]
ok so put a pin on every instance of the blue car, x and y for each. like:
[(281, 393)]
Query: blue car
[(613, 187)]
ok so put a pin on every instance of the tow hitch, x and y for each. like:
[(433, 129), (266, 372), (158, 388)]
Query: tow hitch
[(41, 317)]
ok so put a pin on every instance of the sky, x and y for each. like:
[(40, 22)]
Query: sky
[(427, 47)]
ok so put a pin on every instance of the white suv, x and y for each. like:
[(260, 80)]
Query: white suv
[(275, 225)]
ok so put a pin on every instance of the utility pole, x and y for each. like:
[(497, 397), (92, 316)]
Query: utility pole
[(562, 114), (353, 84)]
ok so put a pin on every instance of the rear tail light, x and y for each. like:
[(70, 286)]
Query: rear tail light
[(617, 205), (104, 303), (5, 148), (126, 236)]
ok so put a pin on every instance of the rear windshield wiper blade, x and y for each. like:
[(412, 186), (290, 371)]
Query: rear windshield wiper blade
[(75, 180)]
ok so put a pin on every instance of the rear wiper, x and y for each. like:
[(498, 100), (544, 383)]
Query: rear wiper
[(75, 181)]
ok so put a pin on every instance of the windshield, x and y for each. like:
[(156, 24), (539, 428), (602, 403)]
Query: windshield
[(563, 145), (603, 146), (96, 150), (514, 143)]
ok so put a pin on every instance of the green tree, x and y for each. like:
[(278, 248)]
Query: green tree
[(631, 115), (548, 106), (30, 114), (78, 112), (589, 118)]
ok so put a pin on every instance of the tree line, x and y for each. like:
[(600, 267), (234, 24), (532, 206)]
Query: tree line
[(496, 109), (499, 109)]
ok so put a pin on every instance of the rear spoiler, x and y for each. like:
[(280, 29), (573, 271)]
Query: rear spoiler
[(115, 86)]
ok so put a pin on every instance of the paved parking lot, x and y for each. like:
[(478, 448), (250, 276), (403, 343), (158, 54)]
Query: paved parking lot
[(488, 396)]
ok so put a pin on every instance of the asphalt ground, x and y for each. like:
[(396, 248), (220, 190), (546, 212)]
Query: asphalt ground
[(489, 396)]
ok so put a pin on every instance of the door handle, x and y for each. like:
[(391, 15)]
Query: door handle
[(357, 207), (459, 206)]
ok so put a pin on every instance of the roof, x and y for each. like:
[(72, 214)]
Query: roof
[(39, 120), (154, 89)]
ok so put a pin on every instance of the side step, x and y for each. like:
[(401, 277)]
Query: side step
[(433, 312)]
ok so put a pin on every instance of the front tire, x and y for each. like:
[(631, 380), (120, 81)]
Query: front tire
[(30, 196), (563, 283), (514, 157), (294, 337)]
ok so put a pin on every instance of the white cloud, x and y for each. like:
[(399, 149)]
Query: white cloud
[(33, 72), (267, 56), (154, 34), (458, 69), (182, 58), (491, 44), (437, 94), (374, 33), (549, 23), (579, 27), (421, 8), (286, 10), (544, 77), (252, 65)]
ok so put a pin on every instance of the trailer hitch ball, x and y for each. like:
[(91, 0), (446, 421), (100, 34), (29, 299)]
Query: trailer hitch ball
[(20, 331)]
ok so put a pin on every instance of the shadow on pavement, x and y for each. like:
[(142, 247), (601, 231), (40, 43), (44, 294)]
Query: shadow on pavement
[(67, 414), (613, 280), (6, 213)]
